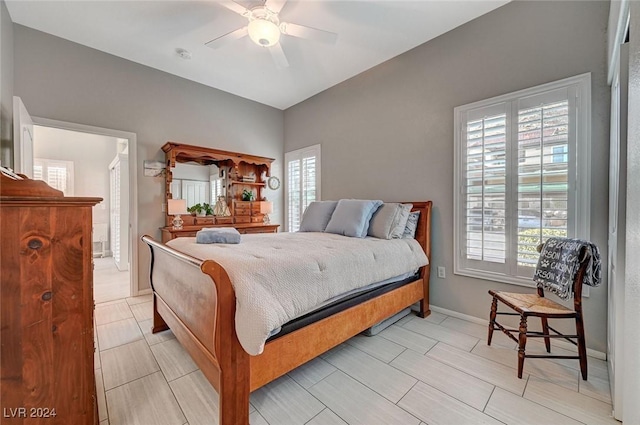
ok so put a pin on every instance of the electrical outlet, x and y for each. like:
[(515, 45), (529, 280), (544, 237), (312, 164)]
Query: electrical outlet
[(164, 207), (441, 272)]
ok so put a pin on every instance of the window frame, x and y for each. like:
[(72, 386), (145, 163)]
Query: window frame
[(299, 155), (579, 190)]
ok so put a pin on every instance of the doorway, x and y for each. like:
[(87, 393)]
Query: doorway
[(92, 161)]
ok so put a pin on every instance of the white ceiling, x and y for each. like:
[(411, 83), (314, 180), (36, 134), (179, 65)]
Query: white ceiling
[(149, 32)]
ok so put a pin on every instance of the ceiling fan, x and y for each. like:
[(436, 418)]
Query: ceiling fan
[(265, 28)]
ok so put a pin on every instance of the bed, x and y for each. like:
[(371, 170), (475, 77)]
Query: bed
[(201, 312)]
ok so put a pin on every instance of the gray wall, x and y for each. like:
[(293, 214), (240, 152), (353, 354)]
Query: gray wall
[(62, 80), (388, 132), (6, 86)]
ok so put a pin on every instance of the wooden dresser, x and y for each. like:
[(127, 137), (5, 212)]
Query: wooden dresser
[(47, 340), (169, 233), (245, 216)]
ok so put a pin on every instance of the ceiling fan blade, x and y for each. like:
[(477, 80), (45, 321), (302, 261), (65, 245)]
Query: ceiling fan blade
[(278, 56), (275, 5), (224, 39), (309, 33), (235, 7)]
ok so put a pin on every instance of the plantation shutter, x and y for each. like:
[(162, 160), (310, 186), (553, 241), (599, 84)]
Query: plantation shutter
[(485, 187), (56, 173), (217, 188), (302, 183), (308, 181), (544, 128), (516, 178), (38, 173), (294, 203)]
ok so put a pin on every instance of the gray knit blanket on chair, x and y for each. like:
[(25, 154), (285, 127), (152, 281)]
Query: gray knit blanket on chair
[(559, 263)]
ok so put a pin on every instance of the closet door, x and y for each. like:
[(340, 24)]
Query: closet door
[(114, 213), (617, 228), (119, 212)]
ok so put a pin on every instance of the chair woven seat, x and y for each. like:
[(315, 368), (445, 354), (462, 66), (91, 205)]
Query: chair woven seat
[(530, 304)]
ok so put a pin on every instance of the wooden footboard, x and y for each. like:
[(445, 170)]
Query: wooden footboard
[(196, 300)]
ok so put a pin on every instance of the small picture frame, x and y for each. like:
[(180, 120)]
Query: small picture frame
[(153, 168)]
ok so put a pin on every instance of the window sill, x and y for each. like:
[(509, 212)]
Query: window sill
[(496, 277), (511, 280)]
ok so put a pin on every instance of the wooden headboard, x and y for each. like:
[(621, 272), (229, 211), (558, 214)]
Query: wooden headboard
[(423, 231)]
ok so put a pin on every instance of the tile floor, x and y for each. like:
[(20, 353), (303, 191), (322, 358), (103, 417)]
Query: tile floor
[(435, 371), (109, 283)]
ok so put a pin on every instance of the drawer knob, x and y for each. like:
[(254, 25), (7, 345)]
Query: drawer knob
[(35, 243), (47, 296)]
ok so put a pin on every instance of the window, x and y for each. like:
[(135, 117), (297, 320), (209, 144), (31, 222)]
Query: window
[(217, 189), (302, 184), (56, 173), (521, 176), (560, 153)]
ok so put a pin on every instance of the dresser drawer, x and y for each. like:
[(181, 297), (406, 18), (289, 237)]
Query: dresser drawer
[(254, 230), (204, 220), (246, 208), (187, 234)]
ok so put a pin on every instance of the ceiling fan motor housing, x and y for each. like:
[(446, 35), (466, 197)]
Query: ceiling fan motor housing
[(264, 26)]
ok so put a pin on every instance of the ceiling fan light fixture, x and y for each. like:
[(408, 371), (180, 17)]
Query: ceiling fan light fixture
[(263, 32)]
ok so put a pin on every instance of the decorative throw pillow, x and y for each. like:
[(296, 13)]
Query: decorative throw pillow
[(383, 220), (398, 230), (412, 225), (351, 217), (317, 216), (387, 220)]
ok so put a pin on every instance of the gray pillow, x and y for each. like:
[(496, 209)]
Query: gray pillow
[(387, 218), (351, 217), (317, 215), (412, 225)]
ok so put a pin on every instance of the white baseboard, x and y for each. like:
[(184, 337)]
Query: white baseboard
[(561, 344), (144, 292)]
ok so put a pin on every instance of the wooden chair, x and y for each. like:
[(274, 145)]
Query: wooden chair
[(537, 305)]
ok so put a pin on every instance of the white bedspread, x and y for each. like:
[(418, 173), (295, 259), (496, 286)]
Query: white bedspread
[(278, 277)]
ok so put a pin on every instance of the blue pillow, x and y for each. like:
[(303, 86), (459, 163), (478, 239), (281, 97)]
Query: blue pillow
[(351, 217), (317, 216), (212, 235)]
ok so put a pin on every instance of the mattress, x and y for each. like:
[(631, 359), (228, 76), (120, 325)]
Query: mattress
[(343, 302), (279, 277)]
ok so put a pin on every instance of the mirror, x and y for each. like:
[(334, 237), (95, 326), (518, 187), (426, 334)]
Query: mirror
[(200, 175), (197, 184)]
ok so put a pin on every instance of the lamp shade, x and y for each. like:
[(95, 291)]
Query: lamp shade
[(266, 207), (177, 206), (264, 33)]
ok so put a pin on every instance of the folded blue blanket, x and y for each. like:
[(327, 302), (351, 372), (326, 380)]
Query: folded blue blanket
[(218, 235)]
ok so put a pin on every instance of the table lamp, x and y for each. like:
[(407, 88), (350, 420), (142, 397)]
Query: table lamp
[(266, 208), (176, 207)]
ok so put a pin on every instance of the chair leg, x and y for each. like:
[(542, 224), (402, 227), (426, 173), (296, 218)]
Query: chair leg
[(582, 348), (545, 330), (522, 342), (492, 319)]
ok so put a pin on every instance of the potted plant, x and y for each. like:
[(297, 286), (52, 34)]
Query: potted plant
[(201, 209), (247, 195)]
